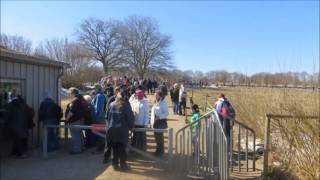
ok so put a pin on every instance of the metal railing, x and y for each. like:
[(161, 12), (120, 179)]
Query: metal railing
[(169, 147), (240, 154), (201, 148)]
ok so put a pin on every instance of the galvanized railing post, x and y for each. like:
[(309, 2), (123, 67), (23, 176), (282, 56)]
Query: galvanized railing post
[(239, 141), (170, 146), (266, 145), (45, 142)]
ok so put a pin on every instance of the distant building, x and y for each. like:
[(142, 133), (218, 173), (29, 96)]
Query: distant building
[(29, 76)]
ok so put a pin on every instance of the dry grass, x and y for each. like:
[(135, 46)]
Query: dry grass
[(295, 142)]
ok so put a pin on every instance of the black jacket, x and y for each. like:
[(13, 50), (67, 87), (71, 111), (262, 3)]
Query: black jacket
[(49, 110)]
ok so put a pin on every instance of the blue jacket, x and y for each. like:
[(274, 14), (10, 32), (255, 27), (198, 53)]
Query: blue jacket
[(99, 103), (119, 121)]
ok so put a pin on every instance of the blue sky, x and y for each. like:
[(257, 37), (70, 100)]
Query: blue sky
[(242, 36)]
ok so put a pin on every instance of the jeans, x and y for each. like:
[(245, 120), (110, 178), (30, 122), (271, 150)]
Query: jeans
[(53, 141), (182, 107), (119, 153), (175, 107), (77, 137), (160, 124), (139, 139)]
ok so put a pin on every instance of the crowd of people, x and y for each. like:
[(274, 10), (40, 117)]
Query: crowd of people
[(121, 104)]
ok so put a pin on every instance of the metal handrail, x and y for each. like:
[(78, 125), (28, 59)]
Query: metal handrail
[(226, 117), (209, 148)]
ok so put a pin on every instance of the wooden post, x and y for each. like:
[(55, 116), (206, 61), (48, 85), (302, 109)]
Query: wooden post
[(266, 144)]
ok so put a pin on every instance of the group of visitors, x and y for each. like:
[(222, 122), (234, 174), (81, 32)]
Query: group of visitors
[(122, 105)]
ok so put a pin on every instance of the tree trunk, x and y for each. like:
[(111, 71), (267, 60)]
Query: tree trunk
[(141, 74), (105, 69)]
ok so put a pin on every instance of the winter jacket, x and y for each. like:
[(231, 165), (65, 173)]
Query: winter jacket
[(194, 117), (16, 117), (75, 110), (182, 94), (159, 111), (49, 110), (174, 93), (119, 121), (99, 104), (140, 110)]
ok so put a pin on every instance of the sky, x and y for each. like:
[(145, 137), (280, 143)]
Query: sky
[(237, 36)]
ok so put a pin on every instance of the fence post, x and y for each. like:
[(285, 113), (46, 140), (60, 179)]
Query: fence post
[(266, 145), (170, 146), (45, 142)]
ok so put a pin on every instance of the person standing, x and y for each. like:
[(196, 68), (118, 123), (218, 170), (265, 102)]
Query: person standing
[(119, 120), (99, 103), (158, 120), (17, 119), (50, 114), (224, 107), (140, 108), (75, 115), (182, 100), (195, 126), (174, 93)]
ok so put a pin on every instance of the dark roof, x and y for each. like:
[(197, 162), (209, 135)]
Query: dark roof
[(29, 59)]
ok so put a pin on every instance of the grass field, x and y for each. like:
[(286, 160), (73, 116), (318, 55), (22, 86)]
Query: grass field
[(295, 142)]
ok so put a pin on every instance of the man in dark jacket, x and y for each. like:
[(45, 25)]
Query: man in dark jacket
[(75, 115), (50, 114), (17, 118), (119, 120)]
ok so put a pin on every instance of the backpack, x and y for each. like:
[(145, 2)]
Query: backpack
[(227, 109)]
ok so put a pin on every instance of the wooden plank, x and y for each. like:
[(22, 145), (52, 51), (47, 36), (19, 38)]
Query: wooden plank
[(293, 116)]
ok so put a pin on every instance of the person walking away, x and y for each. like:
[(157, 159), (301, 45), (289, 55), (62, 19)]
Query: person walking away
[(182, 100), (107, 146), (149, 85), (174, 93), (16, 117), (195, 128), (159, 114), (50, 114), (140, 108), (75, 116), (119, 120), (224, 107)]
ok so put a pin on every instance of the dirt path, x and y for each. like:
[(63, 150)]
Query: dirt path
[(61, 165)]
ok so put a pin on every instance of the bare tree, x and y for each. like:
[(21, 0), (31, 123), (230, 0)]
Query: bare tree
[(102, 39), (16, 42), (81, 67), (145, 48)]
